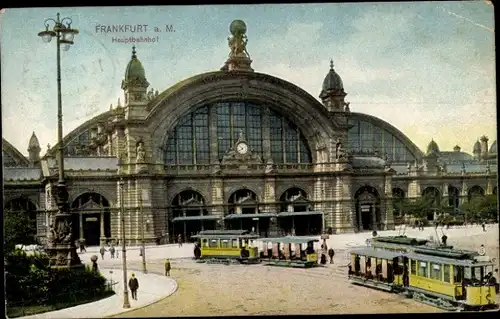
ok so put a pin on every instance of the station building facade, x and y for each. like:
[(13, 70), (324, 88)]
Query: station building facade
[(236, 149)]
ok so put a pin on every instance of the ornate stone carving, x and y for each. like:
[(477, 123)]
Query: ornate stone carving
[(340, 153), (141, 153), (152, 94), (234, 157)]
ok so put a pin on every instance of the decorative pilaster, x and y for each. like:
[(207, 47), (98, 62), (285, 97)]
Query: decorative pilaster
[(388, 219), (218, 200)]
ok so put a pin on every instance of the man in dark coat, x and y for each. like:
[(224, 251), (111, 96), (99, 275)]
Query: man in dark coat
[(167, 267), (331, 253), (444, 239), (133, 284)]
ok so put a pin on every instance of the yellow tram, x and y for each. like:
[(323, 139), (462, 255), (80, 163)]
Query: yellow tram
[(289, 251), (226, 246), (445, 278)]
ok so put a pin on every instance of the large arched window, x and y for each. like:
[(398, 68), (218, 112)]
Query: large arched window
[(190, 141), (366, 137)]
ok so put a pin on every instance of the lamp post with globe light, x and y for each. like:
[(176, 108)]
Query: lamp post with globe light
[(61, 248)]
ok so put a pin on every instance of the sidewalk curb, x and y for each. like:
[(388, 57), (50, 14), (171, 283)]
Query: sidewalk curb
[(171, 292)]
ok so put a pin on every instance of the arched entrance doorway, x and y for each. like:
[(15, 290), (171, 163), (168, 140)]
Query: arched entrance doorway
[(91, 218), (296, 216), (189, 215), (432, 196), (475, 191), (244, 213), (26, 207), (495, 190), (367, 208)]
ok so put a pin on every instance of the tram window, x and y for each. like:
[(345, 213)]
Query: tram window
[(467, 273), (435, 271), (413, 267), (422, 269), (205, 242), (476, 273), (213, 243), (235, 243), (458, 273), (224, 243), (446, 273)]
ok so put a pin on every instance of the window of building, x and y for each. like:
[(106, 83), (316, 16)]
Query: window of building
[(413, 267), (422, 269), (435, 271), (446, 273), (189, 143), (364, 136)]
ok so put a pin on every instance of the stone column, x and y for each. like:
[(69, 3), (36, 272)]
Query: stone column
[(217, 202), (103, 234), (464, 193), (80, 219), (373, 211), (360, 220), (489, 187), (389, 214)]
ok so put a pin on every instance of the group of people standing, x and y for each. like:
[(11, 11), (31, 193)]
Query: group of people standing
[(112, 251)]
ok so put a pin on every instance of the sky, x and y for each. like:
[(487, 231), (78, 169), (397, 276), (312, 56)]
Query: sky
[(428, 68)]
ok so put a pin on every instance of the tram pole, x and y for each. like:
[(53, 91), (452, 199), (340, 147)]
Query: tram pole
[(126, 301), (142, 233)]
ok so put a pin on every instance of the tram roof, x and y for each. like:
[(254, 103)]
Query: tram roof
[(377, 253), (450, 261), (233, 236), (290, 239), (224, 232)]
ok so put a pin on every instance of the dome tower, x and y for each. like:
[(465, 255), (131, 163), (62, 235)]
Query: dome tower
[(135, 83), (34, 150), (332, 93)]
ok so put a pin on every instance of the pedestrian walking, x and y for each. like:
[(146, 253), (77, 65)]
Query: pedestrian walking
[(331, 253), (444, 239), (82, 245), (112, 251), (167, 267), (102, 251), (179, 240), (133, 284), (484, 226)]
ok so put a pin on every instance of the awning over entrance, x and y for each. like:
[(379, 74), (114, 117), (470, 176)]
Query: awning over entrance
[(261, 215), (189, 218), (305, 213)]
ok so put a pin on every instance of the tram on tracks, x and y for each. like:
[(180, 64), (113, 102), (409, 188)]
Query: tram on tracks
[(226, 246), (450, 279), (289, 251)]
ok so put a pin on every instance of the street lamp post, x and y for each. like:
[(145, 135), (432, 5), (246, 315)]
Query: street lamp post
[(126, 302), (61, 248)]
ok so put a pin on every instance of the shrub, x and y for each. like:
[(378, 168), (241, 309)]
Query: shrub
[(29, 281)]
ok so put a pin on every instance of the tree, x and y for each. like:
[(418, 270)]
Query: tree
[(481, 207), (418, 208), (19, 229)]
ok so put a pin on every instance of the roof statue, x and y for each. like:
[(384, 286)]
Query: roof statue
[(238, 42), (239, 59)]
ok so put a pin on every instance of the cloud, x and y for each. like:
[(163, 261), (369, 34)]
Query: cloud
[(419, 75)]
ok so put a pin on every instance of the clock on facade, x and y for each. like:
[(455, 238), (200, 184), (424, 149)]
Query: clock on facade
[(242, 148)]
